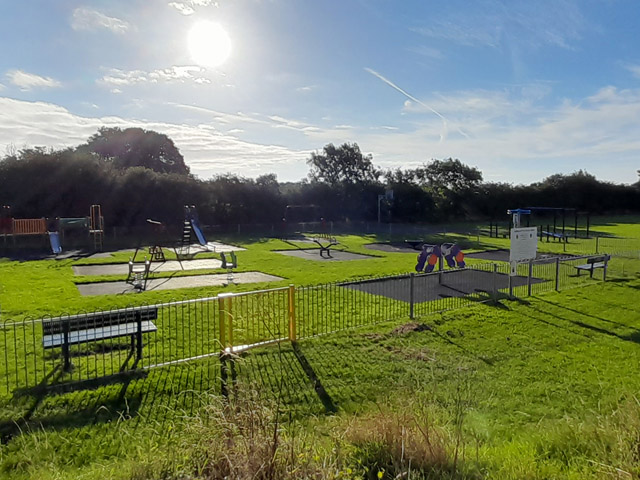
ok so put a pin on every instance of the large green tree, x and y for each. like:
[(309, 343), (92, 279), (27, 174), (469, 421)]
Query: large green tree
[(342, 165), (135, 147)]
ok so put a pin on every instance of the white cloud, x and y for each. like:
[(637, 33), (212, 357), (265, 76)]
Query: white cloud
[(207, 150), (634, 69), (495, 23), (91, 20), (28, 81), (189, 7), (183, 8), (428, 52), (117, 78), (2, 87), (512, 135)]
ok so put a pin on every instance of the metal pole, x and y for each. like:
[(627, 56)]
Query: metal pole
[(529, 278), (65, 346), (511, 286), (557, 274), (292, 313), (411, 295), (139, 335), (597, 241), (494, 287), (221, 323)]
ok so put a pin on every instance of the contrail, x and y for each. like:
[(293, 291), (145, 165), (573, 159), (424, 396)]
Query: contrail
[(411, 97)]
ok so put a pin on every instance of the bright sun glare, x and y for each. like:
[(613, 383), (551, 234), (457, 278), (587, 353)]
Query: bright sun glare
[(209, 44)]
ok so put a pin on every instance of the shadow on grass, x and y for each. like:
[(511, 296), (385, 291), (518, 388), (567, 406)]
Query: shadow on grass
[(44, 408), (634, 336)]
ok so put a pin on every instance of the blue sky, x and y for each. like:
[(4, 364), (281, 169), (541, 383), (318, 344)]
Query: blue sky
[(519, 89)]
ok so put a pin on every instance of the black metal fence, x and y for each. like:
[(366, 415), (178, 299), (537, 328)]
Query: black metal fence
[(38, 353)]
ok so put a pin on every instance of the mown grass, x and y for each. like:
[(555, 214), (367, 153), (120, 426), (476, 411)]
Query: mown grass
[(545, 387)]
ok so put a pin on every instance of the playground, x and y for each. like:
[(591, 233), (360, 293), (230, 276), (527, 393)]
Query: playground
[(474, 331)]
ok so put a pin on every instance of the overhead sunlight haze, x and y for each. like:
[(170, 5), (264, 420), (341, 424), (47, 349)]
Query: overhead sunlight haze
[(209, 44)]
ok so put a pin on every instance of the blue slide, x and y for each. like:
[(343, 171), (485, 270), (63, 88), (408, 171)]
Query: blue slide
[(54, 238), (196, 228)]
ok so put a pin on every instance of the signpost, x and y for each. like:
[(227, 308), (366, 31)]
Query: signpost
[(524, 244)]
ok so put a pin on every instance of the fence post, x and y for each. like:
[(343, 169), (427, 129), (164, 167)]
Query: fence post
[(65, 346), (529, 277), (292, 313), (604, 270), (139, 335), (411, 297), (494, 288), (597, 241), (221, 322), (557, 274), (230, 321), (511, 284)]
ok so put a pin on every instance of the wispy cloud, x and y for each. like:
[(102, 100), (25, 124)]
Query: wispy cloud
[(84, 18), (206, 150), (119, 78), (493, 23), (29, 81), (189, 7), (443, 133), (428, 52), (634, 69)]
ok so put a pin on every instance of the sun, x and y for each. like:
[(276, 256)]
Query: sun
[(209, 44)]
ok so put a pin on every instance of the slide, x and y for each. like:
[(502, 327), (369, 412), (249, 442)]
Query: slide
[(196, 228), (54, 239)]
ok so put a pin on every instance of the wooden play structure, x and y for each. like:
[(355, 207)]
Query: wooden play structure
[(53, 230)]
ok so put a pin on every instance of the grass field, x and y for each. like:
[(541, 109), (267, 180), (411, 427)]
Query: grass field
[(543, 387)]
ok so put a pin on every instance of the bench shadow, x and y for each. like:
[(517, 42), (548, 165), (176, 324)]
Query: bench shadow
[(98, 405)]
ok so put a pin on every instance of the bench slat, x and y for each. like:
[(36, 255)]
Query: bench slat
[(100, 333), (97, 320), (590, 266)]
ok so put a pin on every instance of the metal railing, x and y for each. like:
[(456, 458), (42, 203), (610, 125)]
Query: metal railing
[(194, 329)]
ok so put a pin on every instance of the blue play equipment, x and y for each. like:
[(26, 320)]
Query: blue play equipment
[(199, 235), (54, 239), (191, 224)]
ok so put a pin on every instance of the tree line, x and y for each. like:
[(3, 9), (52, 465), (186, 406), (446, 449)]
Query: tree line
[(137, 174)]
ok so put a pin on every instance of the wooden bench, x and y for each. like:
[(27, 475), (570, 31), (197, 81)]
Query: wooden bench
[(92, 327), (593, 263), (415, 244)]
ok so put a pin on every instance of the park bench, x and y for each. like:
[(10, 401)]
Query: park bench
[(92, 327), (593, 263), (415, 244), (556, 236)]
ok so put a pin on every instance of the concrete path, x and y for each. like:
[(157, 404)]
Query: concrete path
[(118, 288), (168, 266)]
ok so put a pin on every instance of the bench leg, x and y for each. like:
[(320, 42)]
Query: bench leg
[(65, 348)]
